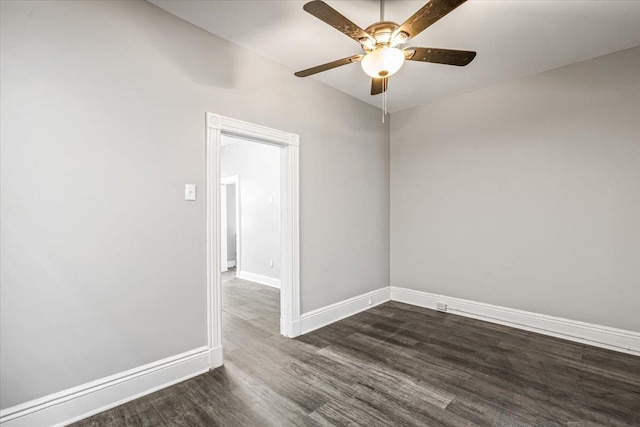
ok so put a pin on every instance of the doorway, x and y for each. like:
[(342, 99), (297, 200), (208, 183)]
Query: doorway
[(216, 127)]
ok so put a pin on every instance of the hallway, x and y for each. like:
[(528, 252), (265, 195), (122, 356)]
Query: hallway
[(247, 308)]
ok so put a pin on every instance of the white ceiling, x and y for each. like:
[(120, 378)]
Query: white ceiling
[(513, 38)]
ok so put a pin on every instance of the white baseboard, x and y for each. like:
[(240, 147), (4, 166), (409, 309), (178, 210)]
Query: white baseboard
[(332, 313), (215, 357), (263, 280), (74, 404), (79, 402), (289, 329), (231, 264), (572, 330)]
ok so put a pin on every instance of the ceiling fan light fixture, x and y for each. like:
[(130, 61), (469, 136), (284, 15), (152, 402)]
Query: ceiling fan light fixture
[(368, 44), (383, 37), (399, 39), (383, 62)]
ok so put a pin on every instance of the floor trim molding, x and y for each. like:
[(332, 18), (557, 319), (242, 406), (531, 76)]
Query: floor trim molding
[(572, 330), (324, 316), (80, 402), (216, 358), (258, 278)]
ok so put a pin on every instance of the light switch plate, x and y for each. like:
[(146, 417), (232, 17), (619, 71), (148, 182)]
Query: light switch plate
[(190, 192)]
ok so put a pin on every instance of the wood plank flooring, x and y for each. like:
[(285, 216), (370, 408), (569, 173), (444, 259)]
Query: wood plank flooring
[(394, 364)]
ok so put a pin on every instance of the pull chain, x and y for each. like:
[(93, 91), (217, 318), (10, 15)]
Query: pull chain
[(384, 98)]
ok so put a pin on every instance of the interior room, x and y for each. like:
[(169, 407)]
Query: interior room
[(449, 235)]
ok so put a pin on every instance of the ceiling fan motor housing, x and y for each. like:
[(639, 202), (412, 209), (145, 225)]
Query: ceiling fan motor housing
[(384, 34)]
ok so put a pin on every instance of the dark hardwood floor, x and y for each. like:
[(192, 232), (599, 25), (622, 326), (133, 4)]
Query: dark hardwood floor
[(394, 364)]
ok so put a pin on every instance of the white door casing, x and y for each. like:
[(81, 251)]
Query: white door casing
[(216, 125)]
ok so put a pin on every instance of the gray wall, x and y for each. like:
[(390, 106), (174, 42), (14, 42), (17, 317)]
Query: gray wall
[(231, 222), (102, 261), (527, 194), (258, 169)]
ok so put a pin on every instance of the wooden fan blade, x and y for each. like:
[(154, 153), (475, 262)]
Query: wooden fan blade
[(428, 15), (329, 15), (379, 85), (329, 65), (459, 58)]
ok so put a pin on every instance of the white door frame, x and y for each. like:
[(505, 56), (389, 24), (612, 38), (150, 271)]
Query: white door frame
[(235, 180), (216, 125)]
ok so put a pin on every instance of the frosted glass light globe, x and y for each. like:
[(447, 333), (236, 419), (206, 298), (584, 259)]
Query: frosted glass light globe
[(383, 62)]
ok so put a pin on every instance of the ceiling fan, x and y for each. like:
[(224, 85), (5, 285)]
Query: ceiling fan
[(383, 41)]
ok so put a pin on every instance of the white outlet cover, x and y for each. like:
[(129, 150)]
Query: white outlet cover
[(190, 192)]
